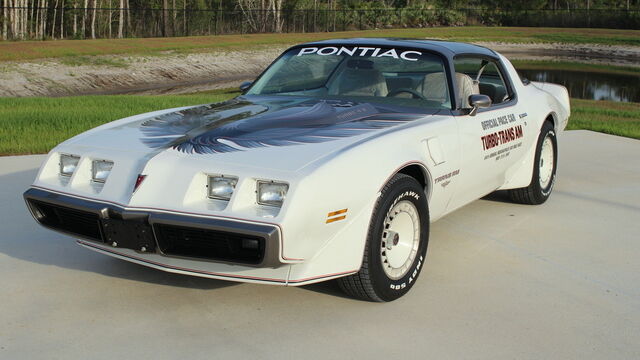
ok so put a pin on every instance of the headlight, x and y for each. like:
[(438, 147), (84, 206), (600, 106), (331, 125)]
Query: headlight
[(100, 170), (68, 164), (271, 193), (221, 187)]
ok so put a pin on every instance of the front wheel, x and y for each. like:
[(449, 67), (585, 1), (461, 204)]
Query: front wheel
[(396, 243), (544, 170)]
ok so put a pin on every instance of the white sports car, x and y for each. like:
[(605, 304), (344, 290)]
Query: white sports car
[(332, 164)]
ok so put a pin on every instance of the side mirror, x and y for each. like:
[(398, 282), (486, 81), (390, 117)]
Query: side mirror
[(478, 101), (245, 86)]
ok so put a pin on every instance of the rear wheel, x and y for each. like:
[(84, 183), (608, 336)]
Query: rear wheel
[(396, 243), (544, 170)]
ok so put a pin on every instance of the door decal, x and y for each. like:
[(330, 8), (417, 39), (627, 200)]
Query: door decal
[(497, 138)]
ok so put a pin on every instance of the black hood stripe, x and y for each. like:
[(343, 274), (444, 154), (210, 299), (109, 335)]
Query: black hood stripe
[(238, 125)]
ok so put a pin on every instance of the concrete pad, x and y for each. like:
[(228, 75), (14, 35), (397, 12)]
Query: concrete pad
[(559, 281)]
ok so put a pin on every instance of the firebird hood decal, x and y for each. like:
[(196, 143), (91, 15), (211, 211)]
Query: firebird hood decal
[(238, 125)]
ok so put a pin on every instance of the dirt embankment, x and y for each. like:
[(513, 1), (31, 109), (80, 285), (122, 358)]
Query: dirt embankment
[(182, 73), (618, 55), (133, 74)]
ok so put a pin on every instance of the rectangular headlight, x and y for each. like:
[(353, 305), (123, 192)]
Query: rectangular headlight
[(271, 193), (221, 186), (100, 170), (68, 164)]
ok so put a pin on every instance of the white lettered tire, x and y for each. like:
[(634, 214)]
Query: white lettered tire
[(396, 243), (544, 170)]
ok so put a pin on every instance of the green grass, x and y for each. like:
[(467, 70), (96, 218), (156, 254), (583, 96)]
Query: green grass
[(35, 125), (622, 119), (67, 49), (92, 61)]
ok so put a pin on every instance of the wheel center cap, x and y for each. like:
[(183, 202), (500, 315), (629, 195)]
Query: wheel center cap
[(393, 238), (400, 239)]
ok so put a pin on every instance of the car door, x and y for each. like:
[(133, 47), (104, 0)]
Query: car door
[(490, 140)]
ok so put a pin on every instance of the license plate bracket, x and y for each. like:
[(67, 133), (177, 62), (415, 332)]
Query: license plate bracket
[(129, 234)]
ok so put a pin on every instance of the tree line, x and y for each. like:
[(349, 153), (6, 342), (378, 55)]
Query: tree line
[(80, 19)]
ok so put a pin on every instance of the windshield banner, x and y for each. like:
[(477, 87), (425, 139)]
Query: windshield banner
[(408, 55)]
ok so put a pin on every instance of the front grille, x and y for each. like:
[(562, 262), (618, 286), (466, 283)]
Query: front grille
[(156, 233), (209, 244), (78, 222)]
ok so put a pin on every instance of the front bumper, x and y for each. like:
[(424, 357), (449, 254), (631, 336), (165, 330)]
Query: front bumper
[(189, 237)]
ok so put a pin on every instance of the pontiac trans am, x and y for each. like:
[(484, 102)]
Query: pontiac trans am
[(331, 164)]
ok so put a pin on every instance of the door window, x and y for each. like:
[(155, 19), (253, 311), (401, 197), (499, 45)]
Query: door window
[(480, 76)]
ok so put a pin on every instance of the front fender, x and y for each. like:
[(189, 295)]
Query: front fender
[(329, 217)]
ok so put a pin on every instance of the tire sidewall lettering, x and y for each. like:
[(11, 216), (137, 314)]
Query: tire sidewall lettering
[(414, 275), (397, 288)]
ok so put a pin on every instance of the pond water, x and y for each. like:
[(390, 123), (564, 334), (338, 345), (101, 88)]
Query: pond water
[(591, 86)]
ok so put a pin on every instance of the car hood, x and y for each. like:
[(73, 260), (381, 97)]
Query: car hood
[(284, 133)]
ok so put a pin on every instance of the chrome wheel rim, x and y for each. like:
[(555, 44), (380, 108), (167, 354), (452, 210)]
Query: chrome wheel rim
[(400, 239), (546, 162)]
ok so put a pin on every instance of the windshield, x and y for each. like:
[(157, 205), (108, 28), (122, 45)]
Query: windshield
[(398, 76)]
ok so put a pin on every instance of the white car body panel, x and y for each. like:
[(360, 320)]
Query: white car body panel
[(346, 173)]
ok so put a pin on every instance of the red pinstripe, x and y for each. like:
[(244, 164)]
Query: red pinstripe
[(212, 273)]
